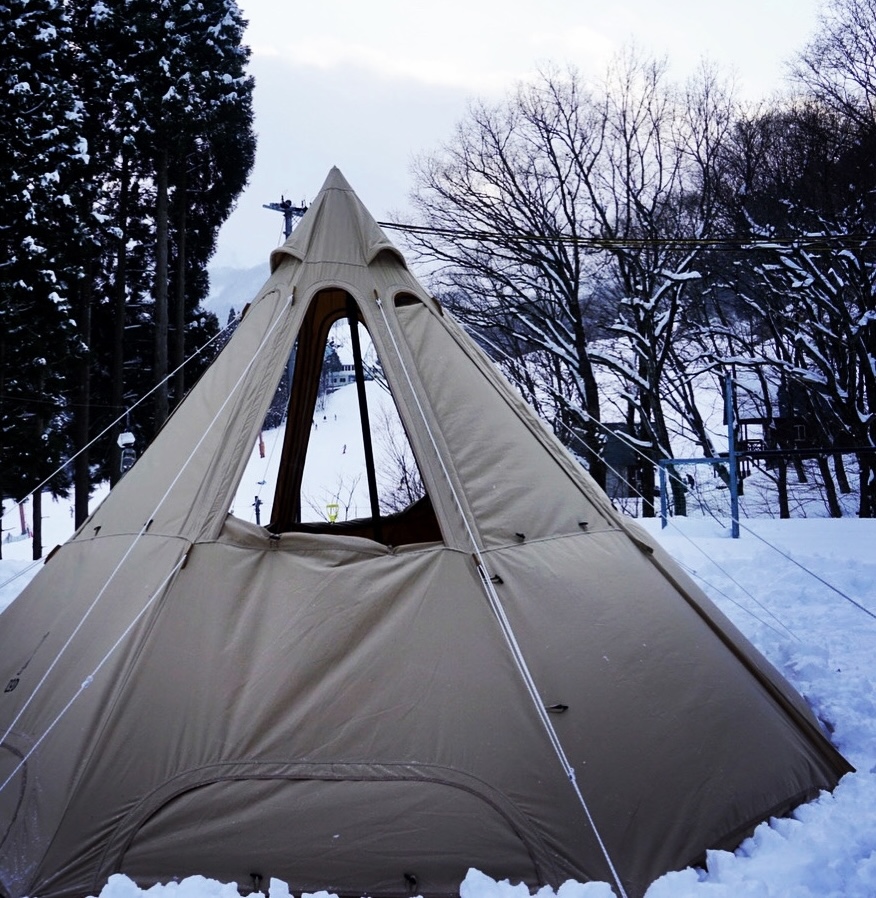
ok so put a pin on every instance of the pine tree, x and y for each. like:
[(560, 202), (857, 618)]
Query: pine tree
[(167, 166), (196, 138), (41, 157)]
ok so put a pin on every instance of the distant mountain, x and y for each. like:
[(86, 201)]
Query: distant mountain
[(233, 288)]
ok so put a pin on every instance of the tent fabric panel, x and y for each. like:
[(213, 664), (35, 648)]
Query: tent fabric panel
[(493, 444), (365, 645), (318, 833), (185, 479), (18, 825), (61, 651), (677, 746), (750, 657), (328, 657), (437, 467), (51, 644)]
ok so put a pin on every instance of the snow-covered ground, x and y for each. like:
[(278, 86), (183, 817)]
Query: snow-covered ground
[(804, 591)]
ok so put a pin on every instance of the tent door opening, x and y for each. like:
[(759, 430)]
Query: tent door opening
[(339, 460)]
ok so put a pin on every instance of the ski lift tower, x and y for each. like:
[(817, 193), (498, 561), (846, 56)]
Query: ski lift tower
[(290, 213)]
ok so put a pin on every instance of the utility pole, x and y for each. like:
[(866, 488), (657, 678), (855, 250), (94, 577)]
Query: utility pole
[(731, 455), (289, 211)]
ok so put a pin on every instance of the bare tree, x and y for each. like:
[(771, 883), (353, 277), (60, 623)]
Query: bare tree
[(838, 66), (562, 223), (335, 502), (655, 199), (803, 183), (503, 204), (399, 475)]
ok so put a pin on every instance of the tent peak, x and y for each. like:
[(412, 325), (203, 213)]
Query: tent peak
[(337, 228), (335, 180)]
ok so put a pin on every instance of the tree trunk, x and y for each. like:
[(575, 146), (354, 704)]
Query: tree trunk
[(160, 292), (842, 477), (2, 394), (830, 494), (82, 402), (679, 493), (36, 504), (648, 489), (178, 346), (784, 507), (592, 430), (800, 471), (867, 468), (120, 291)]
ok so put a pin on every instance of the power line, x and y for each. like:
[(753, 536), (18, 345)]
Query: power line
[(730, 242)]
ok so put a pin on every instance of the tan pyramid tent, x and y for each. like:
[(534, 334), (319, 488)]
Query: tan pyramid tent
[(508, 675)]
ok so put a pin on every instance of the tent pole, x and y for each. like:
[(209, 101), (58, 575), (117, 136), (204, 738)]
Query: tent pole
[(353, 319)]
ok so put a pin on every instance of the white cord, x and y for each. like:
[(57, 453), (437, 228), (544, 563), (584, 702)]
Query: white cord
[(124, 414), (136, 539), (90, 678), (504, 623)]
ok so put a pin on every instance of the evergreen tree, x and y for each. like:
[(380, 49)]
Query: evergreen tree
[(195, 140), (41, 157), (169, 102)]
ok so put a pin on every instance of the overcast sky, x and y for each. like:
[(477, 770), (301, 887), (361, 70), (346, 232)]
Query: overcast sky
[(367, 85)]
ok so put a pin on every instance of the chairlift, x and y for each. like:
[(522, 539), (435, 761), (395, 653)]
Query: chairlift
[(126, 442)]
